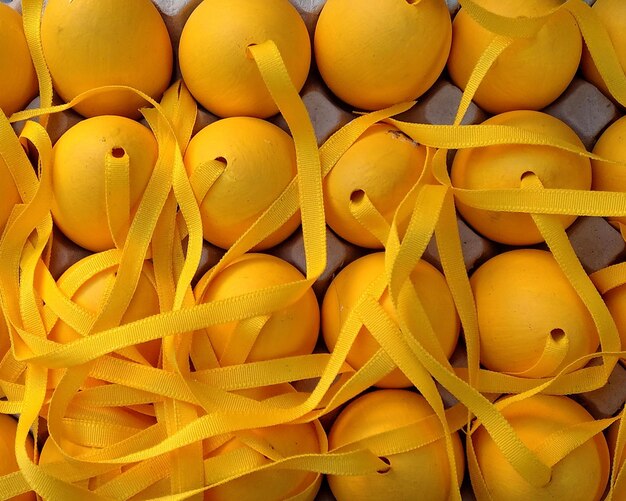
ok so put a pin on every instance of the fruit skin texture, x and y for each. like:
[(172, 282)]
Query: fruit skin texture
[(90, 44), (8, 461), (261, 162), (425, 470), (18, 79), (287, 440), (581, 476), (215, 62), (523, 298), (289, 332), (345, 290), (381, 52), (530, 73), (612, 146), (78, 175), (502, 167), (385, 164), (612, 14), (615, 300)]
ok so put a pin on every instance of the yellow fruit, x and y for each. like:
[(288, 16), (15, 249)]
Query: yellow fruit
[(524, 301), (286, 440), (502, 167), (383, 163), (78, 175), (423, 473), (378, 53), (607, 176), (91, 295), (8, 461), (18, 79), (612, 14), (10, 195), (615, 300), (288, 332), (117, 417), (260, 162), (582, 474), (215, 62), (92, 43), (531, 72), (345, 290)]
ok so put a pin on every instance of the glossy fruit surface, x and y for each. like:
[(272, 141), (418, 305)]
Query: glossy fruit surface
[(378, 53), (384, 164), (503, 166), (531, 321), (290, 331), (260, 162), (78, 175), (343, 294), (18, 80), (425, 470), (215, 62), (93, 43), (581, 475), (531, 72)]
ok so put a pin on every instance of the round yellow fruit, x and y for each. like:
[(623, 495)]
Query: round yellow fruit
[(18, 79), (384, 164), (92, 43), (8, 461), (288, 332), (260, 162), (125, 422), (217, 66), (531, 72), (78, 175), (523, 302), (612, 14), (91, 296), (378, 53), (503, 166), (615, 300), (423, 473), (610, 176), (286, 440), (582, 474), (343, 294)]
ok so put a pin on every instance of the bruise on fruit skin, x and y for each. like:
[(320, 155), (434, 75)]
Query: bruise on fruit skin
[(401, 136)]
